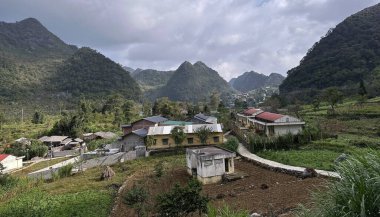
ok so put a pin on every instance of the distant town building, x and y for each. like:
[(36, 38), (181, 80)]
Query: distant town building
[(10, 162), (209, 164)]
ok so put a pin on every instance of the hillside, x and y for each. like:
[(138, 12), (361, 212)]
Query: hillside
[(253, 80), (150, 78), (193, 82), (347, 54), (91, 74)]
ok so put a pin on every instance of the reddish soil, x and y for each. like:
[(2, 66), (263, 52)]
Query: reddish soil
[(282, 195)]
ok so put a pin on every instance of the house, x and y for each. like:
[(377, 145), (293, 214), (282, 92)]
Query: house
[(204, 119), (10, 162), (134, 139), (209, 164), (143, 123), (161, 135), (272, 124), (98, 135), (243, 117), (53, 141)]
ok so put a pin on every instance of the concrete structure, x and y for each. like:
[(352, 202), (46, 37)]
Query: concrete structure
[(244, 117), (10, 162), (130, 141), (272, 124), (162, 135), (209, 164), (144, 123)]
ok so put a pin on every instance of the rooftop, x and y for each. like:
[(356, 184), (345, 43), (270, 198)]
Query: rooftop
[(156, 119), (210, 151), (52, 138), (251, 111), (178, 123), (268, 116), (206, 118), (3, 156)]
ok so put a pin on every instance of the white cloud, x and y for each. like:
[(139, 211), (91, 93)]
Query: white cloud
[(231, 36)]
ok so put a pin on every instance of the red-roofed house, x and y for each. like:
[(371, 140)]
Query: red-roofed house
[(10, 162), (243, 118), (272, 124)]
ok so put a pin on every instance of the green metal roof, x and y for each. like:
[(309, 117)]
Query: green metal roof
[(176, 123)]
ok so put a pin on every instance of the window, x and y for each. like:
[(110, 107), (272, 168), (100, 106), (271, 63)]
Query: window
[(165, 141), (207, 163), (216, 138), (154, 141), (287, 119), (190, 140)]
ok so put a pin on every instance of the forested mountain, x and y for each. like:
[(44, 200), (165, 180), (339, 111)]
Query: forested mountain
[(39, 69), (150, 78), (193, 82), (253, 80), (91, 74), (347, 54)]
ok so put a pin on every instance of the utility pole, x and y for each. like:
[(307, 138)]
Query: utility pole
[(22, 115)]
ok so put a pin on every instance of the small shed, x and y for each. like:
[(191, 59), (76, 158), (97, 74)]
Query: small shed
[(209, 164), (10, 162)]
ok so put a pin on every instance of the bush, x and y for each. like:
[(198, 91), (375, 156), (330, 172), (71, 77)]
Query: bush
[(232, 144), (65, 171), (159, 169), (181, 201), (136, 198), (225, 211), (356, 194)]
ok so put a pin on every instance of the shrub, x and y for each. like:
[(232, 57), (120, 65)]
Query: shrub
[(65, 171), (181, 201), (225, 211), (136, 198), (159, 169), (356, 194), (232, 144)]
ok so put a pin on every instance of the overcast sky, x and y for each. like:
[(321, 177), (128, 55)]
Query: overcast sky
[(230, 36)]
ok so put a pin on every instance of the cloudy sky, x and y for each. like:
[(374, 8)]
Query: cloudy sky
[(230, 36)]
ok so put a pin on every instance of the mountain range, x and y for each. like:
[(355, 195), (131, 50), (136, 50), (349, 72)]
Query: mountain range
[(346, 55), (253, 80)]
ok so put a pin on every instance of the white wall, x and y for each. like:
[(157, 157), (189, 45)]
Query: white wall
[(211, 167), (11, 163), (282, 130)]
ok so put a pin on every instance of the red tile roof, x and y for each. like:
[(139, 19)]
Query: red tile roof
[(269, 116), (3, 156), (250, 111)]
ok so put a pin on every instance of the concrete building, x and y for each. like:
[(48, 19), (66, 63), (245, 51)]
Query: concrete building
[(272, 124), (209, 164), (244, 117), (10, 162), (162, 135), (134, 139)]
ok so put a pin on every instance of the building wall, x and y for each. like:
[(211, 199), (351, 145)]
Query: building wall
[(129, 142), (286, 118), (210, 141), (11, 163), (282, 130)]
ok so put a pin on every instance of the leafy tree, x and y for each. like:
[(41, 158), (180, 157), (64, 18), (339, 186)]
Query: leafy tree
[(206, 109), (214, 100), (130, 111), (38, 118), (362, 90), (232, 144), (113, 103), (178, 135), (69, 125), (135, 198), (316, 103), (149, 141), (203, 134), (2, 120), (147, 109), (182, 201), (333, 96)]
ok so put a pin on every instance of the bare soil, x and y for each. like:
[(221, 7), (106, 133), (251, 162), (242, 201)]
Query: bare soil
[(263, 191)]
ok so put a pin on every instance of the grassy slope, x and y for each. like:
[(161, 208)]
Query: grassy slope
[(357, 128), (79, 195)]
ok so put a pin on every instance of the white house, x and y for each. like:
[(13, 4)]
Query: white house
[(209, 164), (10, 162), (272, 124)]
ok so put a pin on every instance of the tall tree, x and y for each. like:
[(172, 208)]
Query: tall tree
[(38, 118), (333, 96), (178, 135), (214, 100)]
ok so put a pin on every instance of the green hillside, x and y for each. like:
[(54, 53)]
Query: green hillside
[(253, 80), (194, 82), (150, 78), (347, 54)]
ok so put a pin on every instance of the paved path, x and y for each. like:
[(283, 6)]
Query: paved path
[(279, 166)]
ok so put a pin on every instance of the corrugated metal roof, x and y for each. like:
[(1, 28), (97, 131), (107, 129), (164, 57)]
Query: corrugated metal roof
[(166, 130), (206, 118), (52, 138), (3, 156), (141, 132), (251, 111), (156, 119), (269, 116)]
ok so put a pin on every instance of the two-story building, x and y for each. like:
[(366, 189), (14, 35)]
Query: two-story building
[(272, 124)]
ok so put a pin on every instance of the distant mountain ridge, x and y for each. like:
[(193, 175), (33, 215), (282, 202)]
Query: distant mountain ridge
[(193, 82), (346, 55), (253, 80)]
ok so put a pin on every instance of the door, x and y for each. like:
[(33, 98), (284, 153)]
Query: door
[(226, 165)]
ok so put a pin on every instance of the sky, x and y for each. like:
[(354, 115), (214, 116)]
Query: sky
[(231, 36)]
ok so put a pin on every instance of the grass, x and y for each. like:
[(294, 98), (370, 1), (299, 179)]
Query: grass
[(82, 194), (39, 165)]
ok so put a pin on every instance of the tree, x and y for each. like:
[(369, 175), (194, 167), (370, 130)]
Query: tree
[(2, 120), (203, 134), (130, 110), (362, 90), (38, 118), (178, 135), (182, 201), (316, 103), (214, 100), (232, 144), (149, 141), (333, 96), (147, 109)]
